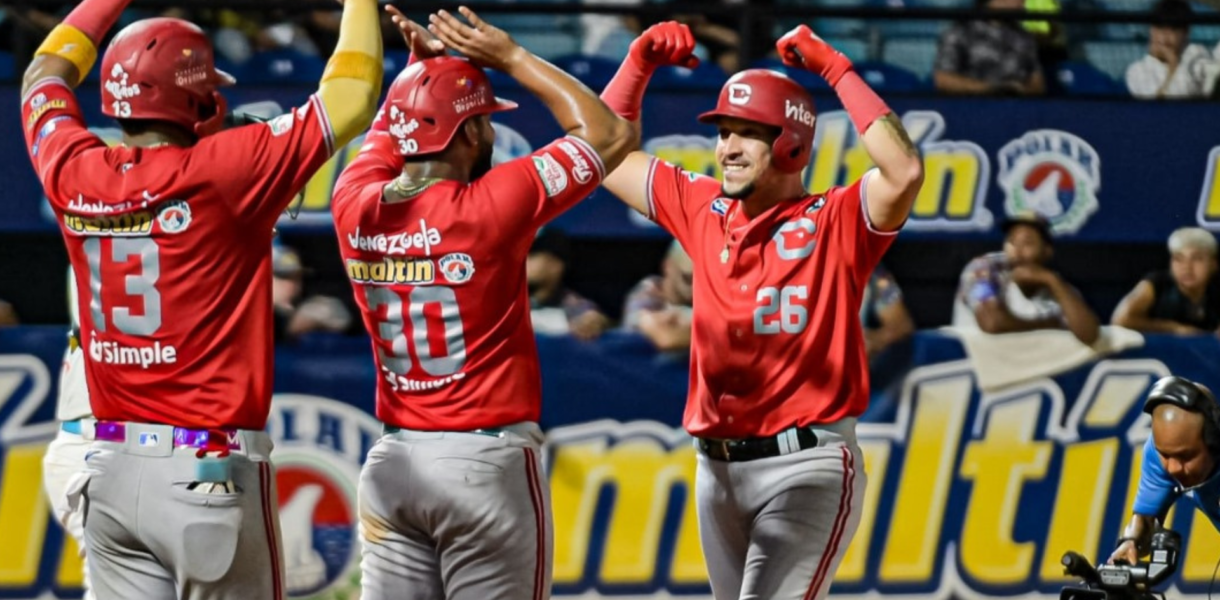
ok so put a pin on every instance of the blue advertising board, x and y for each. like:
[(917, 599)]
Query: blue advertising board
[(1102, 170), (970, 494)]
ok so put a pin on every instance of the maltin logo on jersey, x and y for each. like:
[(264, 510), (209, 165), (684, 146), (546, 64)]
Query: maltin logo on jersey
[(457, 267), (319, 446), (174, 217), (1051, 172)]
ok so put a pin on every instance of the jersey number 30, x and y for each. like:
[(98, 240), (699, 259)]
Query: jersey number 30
[(392, 329)]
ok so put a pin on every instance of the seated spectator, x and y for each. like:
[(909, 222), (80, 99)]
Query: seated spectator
[(883, 314), (293, 317), (659, 306), (1172, 68), (1013, 290), (555, 309), (988, 57), (1184, 299), (8, 315)]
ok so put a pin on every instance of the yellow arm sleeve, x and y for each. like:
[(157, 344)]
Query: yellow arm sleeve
[(352, 81), (68, 43)]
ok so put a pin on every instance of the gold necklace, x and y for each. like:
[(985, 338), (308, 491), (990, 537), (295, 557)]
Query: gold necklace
[(728, 218)]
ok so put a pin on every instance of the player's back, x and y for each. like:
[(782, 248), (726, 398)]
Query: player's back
[(440, 280), (172, 252)]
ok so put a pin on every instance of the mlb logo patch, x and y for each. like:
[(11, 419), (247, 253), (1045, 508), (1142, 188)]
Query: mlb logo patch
[(148, 440)]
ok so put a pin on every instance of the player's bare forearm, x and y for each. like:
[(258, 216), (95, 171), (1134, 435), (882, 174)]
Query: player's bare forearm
[(577, 109), (1140, 527), (893, 190), (352, 81), (48, 66)]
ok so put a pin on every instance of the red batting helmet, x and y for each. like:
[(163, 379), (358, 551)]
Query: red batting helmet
[(771, 98), (430, 100), (163, 69)]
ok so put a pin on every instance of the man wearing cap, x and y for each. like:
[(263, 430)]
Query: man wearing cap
[(294, 316), (1179, 458), (1013, 290), (554, 308), (779, 371), (1184, 299)]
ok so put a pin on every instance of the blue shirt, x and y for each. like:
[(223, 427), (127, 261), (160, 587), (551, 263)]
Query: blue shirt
[(1158, 490)]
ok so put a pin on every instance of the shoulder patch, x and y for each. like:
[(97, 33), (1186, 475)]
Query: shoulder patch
[(554, 177)]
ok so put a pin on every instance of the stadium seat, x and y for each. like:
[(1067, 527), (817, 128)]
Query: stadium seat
[(914, 55), (910, 28), (282, 65), (805, 78), (594, 71), (707, 76), (840, 27), (8, 66), (549, 44), (1113, 58), (885, 77), (855, 49), (395, 61), (1083, 79)]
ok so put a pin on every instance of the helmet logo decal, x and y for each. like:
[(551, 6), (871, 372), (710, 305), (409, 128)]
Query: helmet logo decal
[(400, 128), (117, 84), (797, 111), (739, 93)]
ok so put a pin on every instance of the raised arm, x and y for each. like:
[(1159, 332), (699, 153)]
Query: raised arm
[(889, 195), (352, 80), (577, 109), (668, 43), (69, 51)]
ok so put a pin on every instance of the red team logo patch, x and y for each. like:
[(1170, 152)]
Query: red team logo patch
[(457, 267)]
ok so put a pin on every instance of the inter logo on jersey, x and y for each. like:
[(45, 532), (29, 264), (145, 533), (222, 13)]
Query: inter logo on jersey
[(457, 267), (1054, 173), (174, 216)]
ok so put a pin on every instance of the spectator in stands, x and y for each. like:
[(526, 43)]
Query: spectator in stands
[(1172, 68), (883, 314), (294, 317), (8, 315), (989, 57), (659, 306), (1013, 290), (555, 309), (1185, 299)]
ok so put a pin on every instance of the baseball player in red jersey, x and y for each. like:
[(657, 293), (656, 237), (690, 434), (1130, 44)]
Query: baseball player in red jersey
[(453, 503), (168, 234), (778, 366)]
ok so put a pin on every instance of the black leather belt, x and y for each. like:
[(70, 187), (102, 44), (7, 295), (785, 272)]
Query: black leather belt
[(756, 448)]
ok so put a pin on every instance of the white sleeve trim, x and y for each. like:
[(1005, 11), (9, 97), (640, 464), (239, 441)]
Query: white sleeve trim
[(652, 207), (43, 82), (864, 205), (593, 155), (328, 131)]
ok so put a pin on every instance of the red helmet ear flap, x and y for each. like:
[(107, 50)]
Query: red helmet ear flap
[(214, 123)]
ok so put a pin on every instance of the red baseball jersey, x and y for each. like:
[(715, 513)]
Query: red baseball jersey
[(171, 248), (776, 339), (440, 280)]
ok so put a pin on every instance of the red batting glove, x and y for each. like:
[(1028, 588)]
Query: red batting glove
[(802, 48), (668, 43)]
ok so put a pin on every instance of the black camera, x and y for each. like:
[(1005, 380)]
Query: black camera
[(1121, 581)]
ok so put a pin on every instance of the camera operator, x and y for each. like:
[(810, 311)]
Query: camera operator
[(1179, 458)]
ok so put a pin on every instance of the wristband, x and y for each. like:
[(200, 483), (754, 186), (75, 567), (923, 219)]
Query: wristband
[(863, 105), (625, 92), (71, 44)]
